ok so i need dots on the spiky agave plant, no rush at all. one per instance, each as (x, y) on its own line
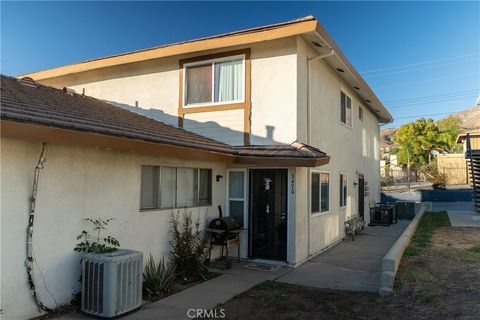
(158, 278)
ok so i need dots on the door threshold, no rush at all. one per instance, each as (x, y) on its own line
(270, 262)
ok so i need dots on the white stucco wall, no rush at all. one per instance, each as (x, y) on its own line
(352, 150)
(76, 183)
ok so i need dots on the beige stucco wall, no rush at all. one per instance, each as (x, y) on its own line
(454, 166)
(279, 111)
(154, 85)
(352, 151)
(76, 183)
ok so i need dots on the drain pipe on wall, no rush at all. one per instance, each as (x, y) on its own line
(309, 128)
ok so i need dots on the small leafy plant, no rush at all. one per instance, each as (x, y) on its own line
(96, 244)
(158, 278)
(188, 247)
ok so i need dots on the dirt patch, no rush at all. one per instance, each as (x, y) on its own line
(441, 282)
(448, 238)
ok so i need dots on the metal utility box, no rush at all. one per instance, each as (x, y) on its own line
(112, 282)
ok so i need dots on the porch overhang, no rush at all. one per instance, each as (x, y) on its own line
(41, 133)
(283, 162)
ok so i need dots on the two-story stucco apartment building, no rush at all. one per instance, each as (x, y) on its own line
(273, 124)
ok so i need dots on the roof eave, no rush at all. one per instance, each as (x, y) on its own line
(178, 49)
(283, 161)
(49, 134)
(384, 115)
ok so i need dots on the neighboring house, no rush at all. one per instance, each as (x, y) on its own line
(474, 139)
(270, 98)
(389, 167)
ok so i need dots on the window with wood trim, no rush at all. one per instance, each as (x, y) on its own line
(168, 188)
(215, 81)
(345, 109)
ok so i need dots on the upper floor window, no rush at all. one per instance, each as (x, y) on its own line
(346, 109)
(360, 113)
(216, 81)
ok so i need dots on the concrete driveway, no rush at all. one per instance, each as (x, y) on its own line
(351, 265)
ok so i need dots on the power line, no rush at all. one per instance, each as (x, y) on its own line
(424, 81)
(411, 104)
(424, 115)
(453, 93)
(414, 69)
(419, 63)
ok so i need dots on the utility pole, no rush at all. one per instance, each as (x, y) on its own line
(408, 168)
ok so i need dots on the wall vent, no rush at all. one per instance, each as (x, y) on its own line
(29, 82)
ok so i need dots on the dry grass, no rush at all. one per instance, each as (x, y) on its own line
(440, 280)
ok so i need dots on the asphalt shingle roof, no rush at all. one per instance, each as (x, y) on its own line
(29, 102)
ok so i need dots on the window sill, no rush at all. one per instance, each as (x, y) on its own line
(346, 125)
(319, 214)
(179, 208)
(196, 108)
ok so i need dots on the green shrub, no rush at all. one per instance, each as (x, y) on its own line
(188, 247)
(158, 278)
(95, 243)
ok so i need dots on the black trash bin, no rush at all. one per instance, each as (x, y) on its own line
(405, 210)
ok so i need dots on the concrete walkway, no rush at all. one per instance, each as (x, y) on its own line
(461, 214)
(203, 296)
(351, 265)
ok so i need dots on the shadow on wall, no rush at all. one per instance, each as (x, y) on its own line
(212, 126)
(464, 195)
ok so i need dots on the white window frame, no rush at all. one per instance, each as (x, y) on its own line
(341, 191)
(351, 109)
(212, 62)
(245, 195)
(319, 213)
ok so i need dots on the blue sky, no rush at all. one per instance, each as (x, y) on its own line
(420, 58)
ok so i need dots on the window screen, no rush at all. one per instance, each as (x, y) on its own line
(315, 189)
(199, 84)
(149, 182)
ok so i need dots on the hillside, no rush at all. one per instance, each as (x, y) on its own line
(469, 120)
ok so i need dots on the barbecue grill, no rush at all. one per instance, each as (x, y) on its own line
(224, 232)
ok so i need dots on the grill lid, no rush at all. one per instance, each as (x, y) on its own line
(225, 223)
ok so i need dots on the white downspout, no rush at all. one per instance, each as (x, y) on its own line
(309, 60)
